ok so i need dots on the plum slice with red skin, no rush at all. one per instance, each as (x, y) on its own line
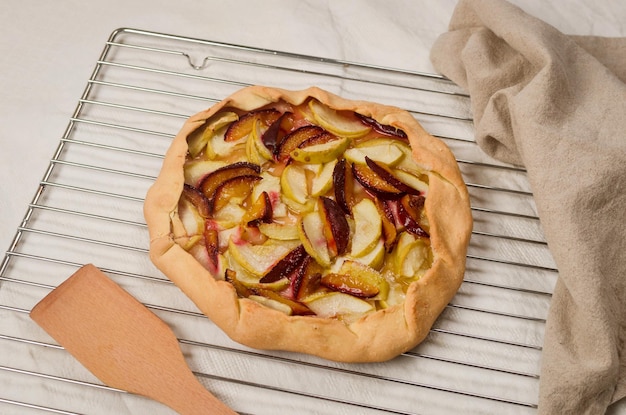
(306, 279)
(238, 186)
(323, 137)
(292, 140)
(344, 186)
(374, 183)
(241, 290)
(381, 128)
(336, 228)
(297, 308)
(349, 284)
(276, 131)
(212, 245)
(213, 180)
(198, 199)
(286, 266)
(390, 232)
(409, 213)
(385, 173)
(243, 126)
(259, 212)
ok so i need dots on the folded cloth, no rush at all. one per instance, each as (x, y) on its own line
(556, 104)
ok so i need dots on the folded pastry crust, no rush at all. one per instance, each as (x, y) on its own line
(376, 336)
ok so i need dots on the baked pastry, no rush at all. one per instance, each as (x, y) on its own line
(302, 221)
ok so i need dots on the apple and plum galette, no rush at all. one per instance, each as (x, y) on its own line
(306, 222)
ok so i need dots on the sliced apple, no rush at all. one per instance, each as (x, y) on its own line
(217, 148)
(368, 228)
(271, 303)
(245, 124)
(296, 208)
(412, 180)
(405, 242)
(323, 181)
(335, 223)
(375, 258)
(191, 220)
(233, 190)
(279, 231)
(320, 153)
(337, 304)
(200, 253)
(409, 255)
(341, 123)
(312, 169)
(335, 226)
(252, 234)
(224, 234)
(416, 259)
(271, 185)
(310, 228)
(293, 183)
(259, 259)
(369, 279)
(407, 163)
(189, 242)
(196, 170)
(396, 294)
(198, 140)
(288, 306)
(253, 154)
(252, 281)
(229, 216)
(386, 153)
(256, 136)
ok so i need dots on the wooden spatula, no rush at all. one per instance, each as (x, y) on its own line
(122, 342)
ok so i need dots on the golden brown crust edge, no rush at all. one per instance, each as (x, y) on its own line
(375, 337)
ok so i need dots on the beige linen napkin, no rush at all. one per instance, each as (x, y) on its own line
(556, 104)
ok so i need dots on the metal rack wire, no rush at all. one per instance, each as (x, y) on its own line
(481, 356)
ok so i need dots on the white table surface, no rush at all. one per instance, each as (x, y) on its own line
(48, 51)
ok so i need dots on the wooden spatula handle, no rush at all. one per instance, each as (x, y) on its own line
(122, 342)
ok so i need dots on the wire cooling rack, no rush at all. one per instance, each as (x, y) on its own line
(481, 356)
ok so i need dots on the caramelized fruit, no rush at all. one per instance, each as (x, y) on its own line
(325, 216)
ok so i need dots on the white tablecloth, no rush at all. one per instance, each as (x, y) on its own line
(48, 51)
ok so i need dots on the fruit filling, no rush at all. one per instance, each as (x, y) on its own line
(306, 209)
